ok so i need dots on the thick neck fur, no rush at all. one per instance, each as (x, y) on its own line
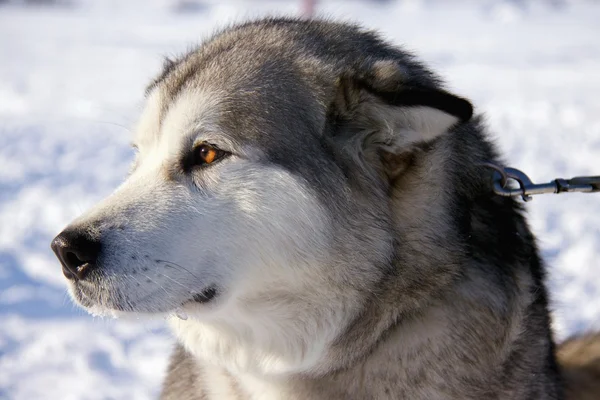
(462, 315)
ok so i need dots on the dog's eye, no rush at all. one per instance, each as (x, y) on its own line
(206, 154)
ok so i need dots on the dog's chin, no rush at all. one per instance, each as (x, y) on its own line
(145, 308)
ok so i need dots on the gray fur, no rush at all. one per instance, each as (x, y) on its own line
(458, 308)
(357, 251)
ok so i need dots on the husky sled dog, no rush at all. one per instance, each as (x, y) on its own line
(309, 209)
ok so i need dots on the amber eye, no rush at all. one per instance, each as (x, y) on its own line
(206, 154)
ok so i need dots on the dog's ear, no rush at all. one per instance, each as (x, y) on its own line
(393, 117)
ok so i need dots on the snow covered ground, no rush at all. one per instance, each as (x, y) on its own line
(71, 84)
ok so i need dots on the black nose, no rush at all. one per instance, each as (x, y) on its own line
(77, 252)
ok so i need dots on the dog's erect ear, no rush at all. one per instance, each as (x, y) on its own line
(395, 117)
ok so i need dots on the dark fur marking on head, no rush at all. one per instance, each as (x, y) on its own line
(410, 97)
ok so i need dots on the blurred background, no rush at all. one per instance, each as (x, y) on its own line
(72, 76)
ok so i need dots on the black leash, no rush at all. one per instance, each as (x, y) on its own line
(503, 176)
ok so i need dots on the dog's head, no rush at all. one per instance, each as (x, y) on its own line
(261, 189)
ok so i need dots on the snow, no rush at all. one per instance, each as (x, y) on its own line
(71, 86)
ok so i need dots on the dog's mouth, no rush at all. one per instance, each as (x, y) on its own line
(206, 296)
(102, 300)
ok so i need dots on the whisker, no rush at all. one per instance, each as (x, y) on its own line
(176, 282)
(159, 285)
(177, 265)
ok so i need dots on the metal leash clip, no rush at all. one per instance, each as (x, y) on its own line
(503, 176)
